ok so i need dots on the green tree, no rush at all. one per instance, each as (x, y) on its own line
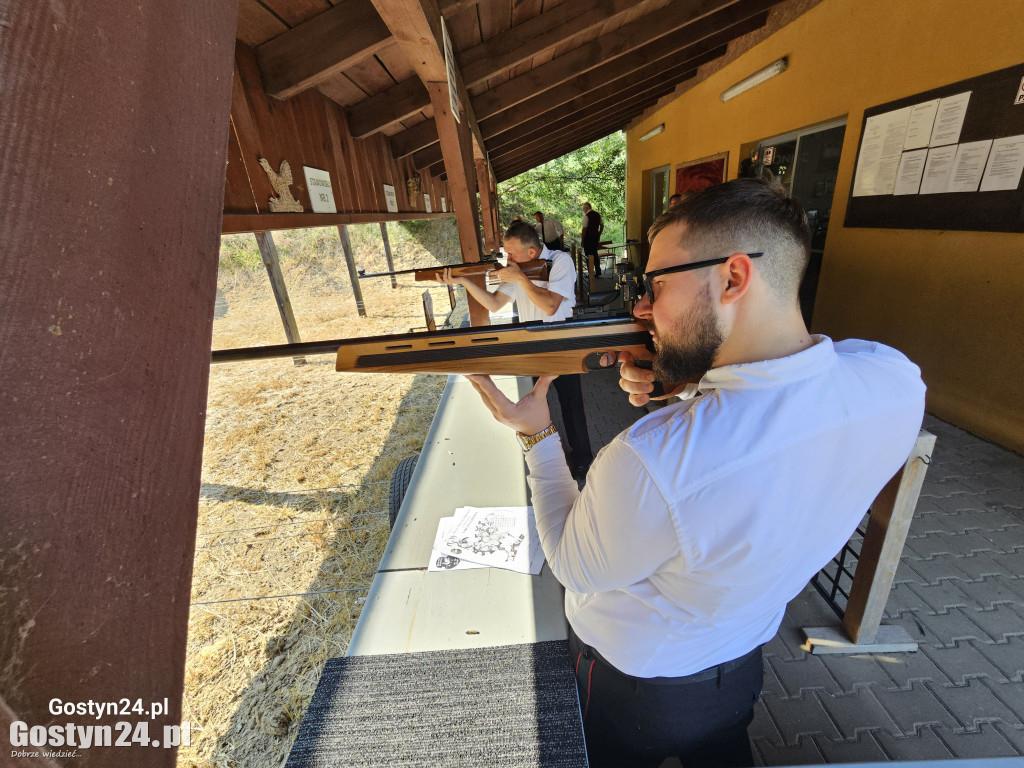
(595, 173)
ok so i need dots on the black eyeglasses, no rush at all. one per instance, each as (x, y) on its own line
(648, 277)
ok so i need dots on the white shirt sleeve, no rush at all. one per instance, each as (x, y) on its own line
(562, 277)
(616, 533)
(584, 224)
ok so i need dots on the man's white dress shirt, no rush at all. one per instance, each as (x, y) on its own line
(699, 523)
(561, 280)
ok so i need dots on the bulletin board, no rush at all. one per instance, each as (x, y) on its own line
(695, 175)
(948, 158)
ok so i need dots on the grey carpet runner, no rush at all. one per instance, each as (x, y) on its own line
(512, 706)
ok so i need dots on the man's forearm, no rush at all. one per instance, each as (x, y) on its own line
(547, 301)
(492, 302)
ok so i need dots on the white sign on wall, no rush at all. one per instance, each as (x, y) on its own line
(426, 203)
(444, 205)
(321, 195)
(390, 198)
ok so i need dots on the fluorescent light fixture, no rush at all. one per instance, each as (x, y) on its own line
(773, 69)
(653, 132)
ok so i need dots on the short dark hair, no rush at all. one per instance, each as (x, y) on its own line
(524, 233)
(537, 213)
(745, 216)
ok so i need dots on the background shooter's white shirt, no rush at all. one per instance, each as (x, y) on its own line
(699, 523)
(561, 280)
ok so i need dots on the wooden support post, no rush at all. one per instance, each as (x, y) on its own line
(265, 240)
(888, 524)
(353, 275)
(105, 326)
(428, 311)
(457, 147)
(487, 212)
(387, 252)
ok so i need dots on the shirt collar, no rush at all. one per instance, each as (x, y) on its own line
(769, 373)
(544, 253)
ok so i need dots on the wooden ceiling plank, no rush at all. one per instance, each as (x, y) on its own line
(491, 58)
(585, 109)
(256, 24)
(620, 74)
(321, 47)
(625, 41)
(294, 12)
(341, 90)
(392, 105)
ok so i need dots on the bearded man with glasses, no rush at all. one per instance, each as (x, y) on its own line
(703, 520)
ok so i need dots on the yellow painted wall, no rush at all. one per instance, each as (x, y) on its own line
(952, 301)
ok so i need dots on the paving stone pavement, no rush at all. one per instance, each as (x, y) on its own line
(959, 592)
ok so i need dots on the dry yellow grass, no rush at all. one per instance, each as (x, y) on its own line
(295, 495)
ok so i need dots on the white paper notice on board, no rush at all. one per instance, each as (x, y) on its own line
(444, 205)
(321, 196)
(426, 203)
(880, 151)
(908, 180)
(919, 129)
(390, 198)
(949, 119)
(937, 170)
(1005, 164)
(968, 166)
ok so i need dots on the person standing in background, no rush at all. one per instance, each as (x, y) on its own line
(550, 231)
(592, 229)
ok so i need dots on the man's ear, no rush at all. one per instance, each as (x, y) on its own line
(737, 274)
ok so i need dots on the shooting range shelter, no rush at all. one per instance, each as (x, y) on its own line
(132, 139)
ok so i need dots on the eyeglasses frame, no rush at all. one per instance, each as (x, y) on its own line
(649, 276)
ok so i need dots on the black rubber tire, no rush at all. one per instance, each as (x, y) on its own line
(399, 485)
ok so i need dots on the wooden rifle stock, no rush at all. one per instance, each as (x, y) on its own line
(532, 349)
(536, 269)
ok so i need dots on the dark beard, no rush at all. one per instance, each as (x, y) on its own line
(675, 361)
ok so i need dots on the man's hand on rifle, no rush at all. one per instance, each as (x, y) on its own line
(511, 274)
(447, 278)
(529, 416)
(637, 381)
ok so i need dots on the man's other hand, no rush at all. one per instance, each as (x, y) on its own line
(510, 274)
(637, 381)
(529, 416)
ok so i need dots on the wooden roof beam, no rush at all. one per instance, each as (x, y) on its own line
(321, 47)
(621, 74)
(491, 57)
(694, 39)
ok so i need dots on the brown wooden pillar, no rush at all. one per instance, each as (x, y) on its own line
(113, 154)
(268, 252)
(457, 146)
(353, 274)
(387, 252)
(487, 209)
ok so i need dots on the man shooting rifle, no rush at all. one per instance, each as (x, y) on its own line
(700, 522)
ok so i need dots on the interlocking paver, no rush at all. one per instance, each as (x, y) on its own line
(1008, 656)
(857, 670)
(962, 544)
(924, 745)
(961, 662)
(947, 628)
(857, 711)
(903, 598)
(977, 566)
(915, 707)
(1014, 736)
(906, 669)
(940, 597)
(935, 569)
(864, 749)
(771, 681)
(1012, 561)
(1008, 538)
(763, 728)
(798, 716)
(805, 752)
(1000, 621)
(975, 703)
(987, 741)
(804, 674)
(1010, 693)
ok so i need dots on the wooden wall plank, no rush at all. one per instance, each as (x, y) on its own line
(256, 24)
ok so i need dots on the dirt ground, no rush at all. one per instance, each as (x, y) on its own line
(294, 500)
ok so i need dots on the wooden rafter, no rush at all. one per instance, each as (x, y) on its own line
(552, 88)
(523, 42)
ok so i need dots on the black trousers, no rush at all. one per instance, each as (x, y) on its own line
(590, 249)
(569, 389)
(633, 721)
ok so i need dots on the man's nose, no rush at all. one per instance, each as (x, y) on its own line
(643, 308)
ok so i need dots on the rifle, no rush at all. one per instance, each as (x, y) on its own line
(536, 269)
(528, 349)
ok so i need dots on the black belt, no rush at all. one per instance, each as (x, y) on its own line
(710, 673)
